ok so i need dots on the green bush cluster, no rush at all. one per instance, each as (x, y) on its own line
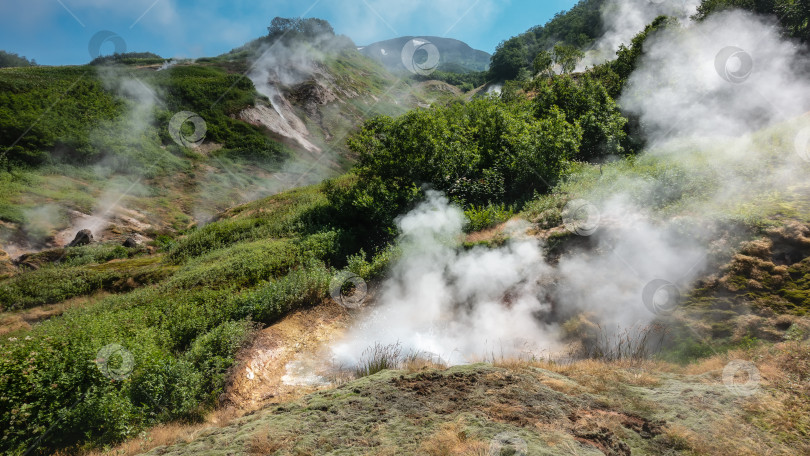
(128, 58)
(71, 99)
(11, 59)
(295, 212)
(484, 151)
(79, 271)
(482, 217)
(182, 346)
(50, 285)
(183, 343)
(586, 103)
(183, 331)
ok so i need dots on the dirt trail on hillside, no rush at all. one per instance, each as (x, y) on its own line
(285, 361)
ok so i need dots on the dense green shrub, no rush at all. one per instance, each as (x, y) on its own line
(482, 217)
(299, 211)
(44, 109)
(54, 283)
(128, 58)
(274, 298)
(248, 263)
(11, 59)
(51, 284)
(586, 103)
(480, 152)
(182, 345)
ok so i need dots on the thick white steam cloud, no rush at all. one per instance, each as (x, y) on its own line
(624, 19)
(450, 303)
(727, 76)
(466, 305)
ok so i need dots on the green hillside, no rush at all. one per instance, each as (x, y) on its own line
(242, 239)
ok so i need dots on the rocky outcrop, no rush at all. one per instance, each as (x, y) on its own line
(83, 237)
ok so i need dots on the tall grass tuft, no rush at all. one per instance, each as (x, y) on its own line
(378, 358)
(629, 344)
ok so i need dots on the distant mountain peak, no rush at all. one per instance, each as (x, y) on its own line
(445, 54)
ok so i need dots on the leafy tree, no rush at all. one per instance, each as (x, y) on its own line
(708, 7)
(579, 27)
(795, 16)
(585, 102)
(10, 59)
(613, 75)
(542, 63)
(567, 57)
(509, 58)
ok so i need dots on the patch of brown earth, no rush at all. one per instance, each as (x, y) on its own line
(285, 361)
(25, 319)
(593, 427)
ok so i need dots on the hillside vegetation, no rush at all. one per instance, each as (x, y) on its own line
(105, 346)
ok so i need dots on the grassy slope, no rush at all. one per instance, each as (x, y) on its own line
(587, 407)
(82, 148)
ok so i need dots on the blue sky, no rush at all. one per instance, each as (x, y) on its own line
(57, 32)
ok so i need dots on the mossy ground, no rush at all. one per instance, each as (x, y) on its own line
(581, 408)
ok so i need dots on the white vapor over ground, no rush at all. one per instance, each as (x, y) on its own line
(682, 87)
(624, 19)
(465, 305)
(449, 303)
(475, 304)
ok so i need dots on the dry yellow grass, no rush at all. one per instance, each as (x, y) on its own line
(419, 364)
(22, 320)
(596, 375)
(171, 433)
(165, 434)
(452, 440)
(262, 445)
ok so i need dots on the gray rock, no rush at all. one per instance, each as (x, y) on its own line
(83, 237)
